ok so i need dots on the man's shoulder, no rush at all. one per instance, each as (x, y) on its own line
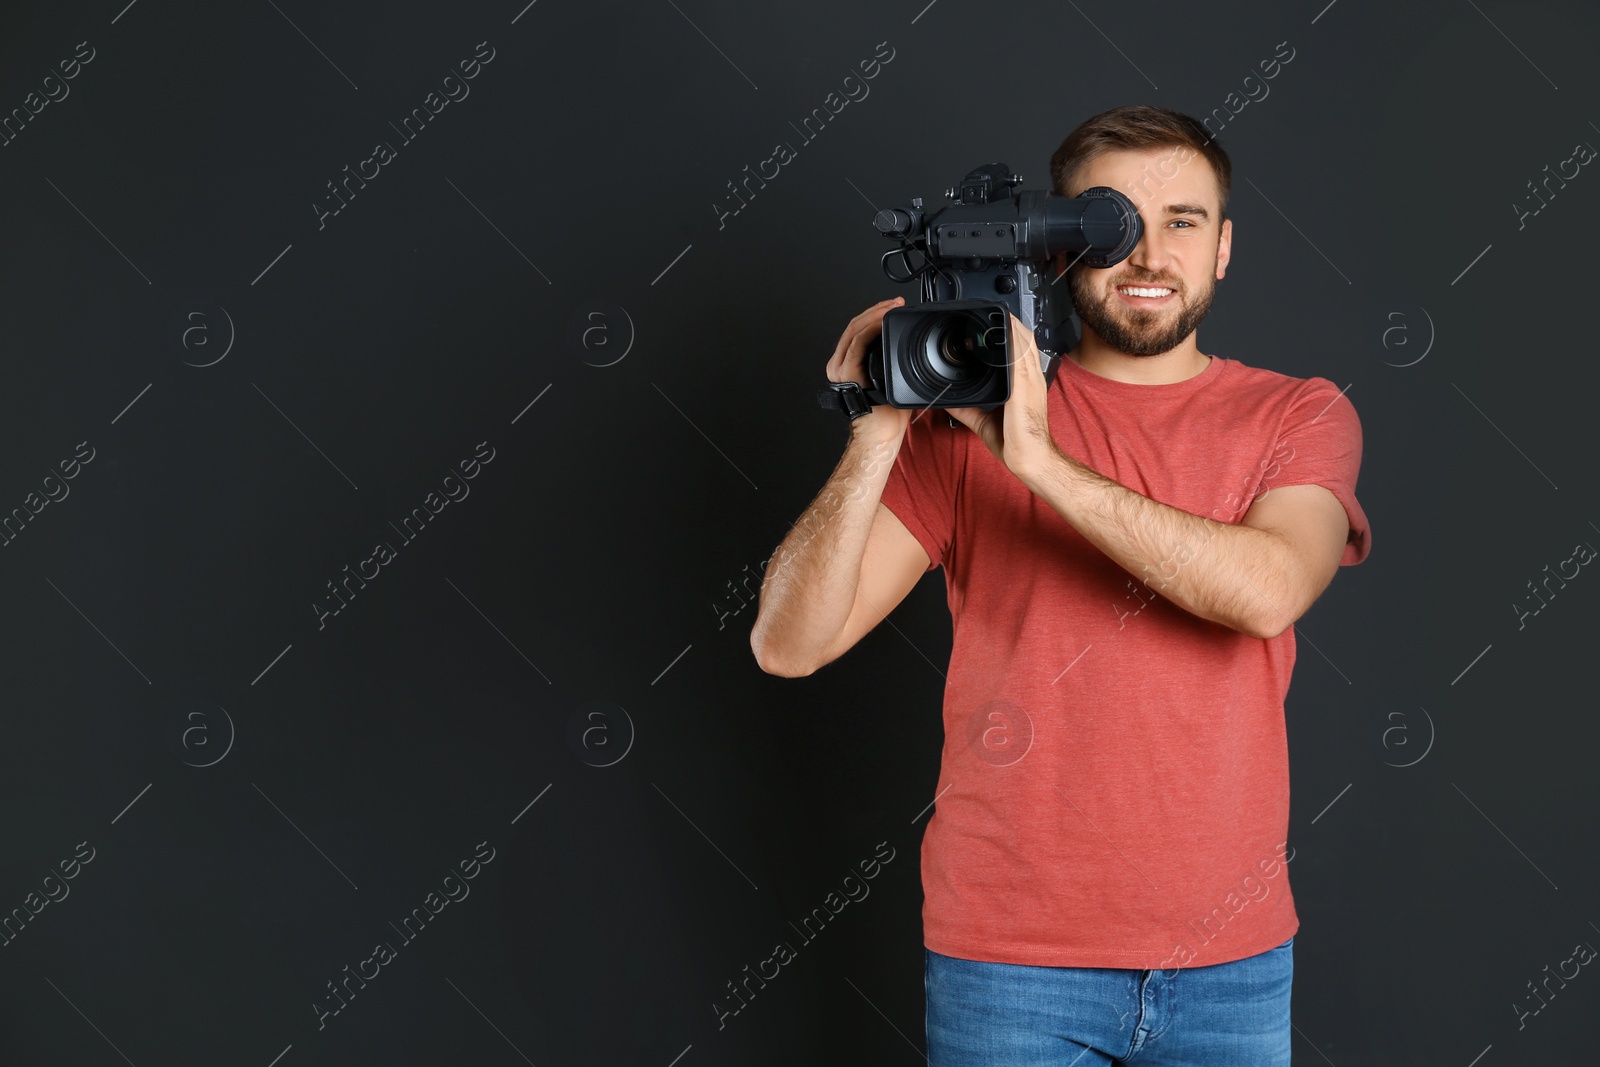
(1252, 384)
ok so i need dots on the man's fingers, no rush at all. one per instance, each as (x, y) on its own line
(964, 415)
(852, 328)
(1025, 351)
(1024, 337)
(874, 309)
(847, 350)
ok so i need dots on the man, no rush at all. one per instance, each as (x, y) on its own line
(1126, 551)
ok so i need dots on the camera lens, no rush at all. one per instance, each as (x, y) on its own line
(959, 346)
(958, 355)
(965, 345)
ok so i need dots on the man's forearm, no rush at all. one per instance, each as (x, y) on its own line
(810, 583)
(1235, 575)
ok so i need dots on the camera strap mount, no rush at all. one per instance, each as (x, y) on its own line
(847, 397)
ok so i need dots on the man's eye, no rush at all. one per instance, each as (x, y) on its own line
(1182, 222)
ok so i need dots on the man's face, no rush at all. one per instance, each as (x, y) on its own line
(1153, 300)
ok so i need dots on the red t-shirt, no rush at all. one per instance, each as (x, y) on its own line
(1114, 784)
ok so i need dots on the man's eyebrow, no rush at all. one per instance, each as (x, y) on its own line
(1188, 209)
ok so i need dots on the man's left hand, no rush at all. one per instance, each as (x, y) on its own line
(1018, 433)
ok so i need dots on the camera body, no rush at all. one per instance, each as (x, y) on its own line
(986, 256)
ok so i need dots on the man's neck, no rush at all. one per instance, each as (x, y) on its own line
(1177, 365)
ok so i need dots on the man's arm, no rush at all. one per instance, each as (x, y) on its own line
(848, 561)
(1256, 577)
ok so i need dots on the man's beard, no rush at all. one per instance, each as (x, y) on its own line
(1138, 331)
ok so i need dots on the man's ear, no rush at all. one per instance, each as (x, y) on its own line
(1224, 248)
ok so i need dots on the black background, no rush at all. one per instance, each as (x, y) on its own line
(264, 796)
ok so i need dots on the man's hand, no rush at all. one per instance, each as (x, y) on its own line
(1018, 433)
(849, 364)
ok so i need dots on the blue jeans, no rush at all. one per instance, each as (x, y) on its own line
(1007, 1015)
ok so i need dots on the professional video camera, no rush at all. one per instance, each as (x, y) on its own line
(985, 256)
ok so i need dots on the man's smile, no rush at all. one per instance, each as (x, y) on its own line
(1145, 295)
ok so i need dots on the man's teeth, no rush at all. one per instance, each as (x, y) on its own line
(1134, 290)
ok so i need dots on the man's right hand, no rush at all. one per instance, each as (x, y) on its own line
(849, 364)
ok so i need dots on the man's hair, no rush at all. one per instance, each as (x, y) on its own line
(1138, 127)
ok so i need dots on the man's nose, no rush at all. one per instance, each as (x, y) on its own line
(1151, 253)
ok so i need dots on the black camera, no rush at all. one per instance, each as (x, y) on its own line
(983, 257)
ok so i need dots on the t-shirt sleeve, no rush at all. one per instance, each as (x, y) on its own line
(1320, 444)
(922, 485)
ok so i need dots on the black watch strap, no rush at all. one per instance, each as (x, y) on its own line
(847, 397)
